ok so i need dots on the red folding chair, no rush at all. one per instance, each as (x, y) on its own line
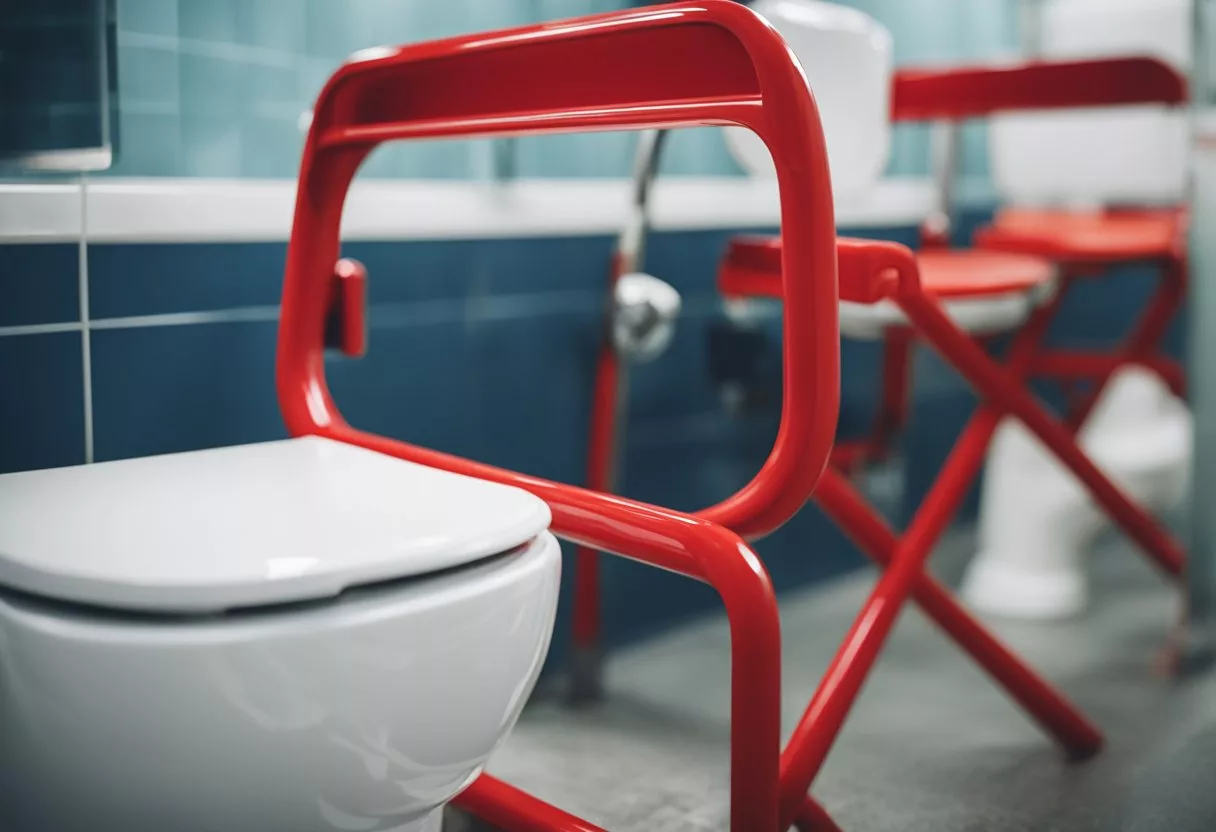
(1083, 245)
(1079, 245)
(923, 287)
(704, 63)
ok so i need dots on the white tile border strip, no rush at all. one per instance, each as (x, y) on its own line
(218, 210)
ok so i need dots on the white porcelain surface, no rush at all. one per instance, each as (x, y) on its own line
(248, 525)
(986, 315)
(1115, 155)
(1036, 519)
(360, 713)
(847, 57)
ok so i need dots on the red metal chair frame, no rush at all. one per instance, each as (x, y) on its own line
(955, 94)
(870, 272)
(706, 63)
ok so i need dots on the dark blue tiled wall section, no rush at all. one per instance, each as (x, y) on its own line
(39, 284)
(161, 389)
(41, 385)
(162, 278)
(481, 348)
(41, 403)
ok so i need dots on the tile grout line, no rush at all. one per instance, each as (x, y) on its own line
(517, 306)
(86, 347)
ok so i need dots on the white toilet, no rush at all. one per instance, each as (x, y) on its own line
(1036, 521)
(848, 59)
(299, 635)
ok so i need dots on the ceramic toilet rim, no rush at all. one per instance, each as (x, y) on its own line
(481, 575)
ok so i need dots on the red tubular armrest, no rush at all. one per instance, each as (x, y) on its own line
(703, 63)
(972, 92)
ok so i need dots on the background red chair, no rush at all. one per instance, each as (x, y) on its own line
(923, 288)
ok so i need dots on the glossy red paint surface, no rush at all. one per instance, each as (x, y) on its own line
(694, 63)
(506, 807)
(712, 62)
(752, 268)
(952, 93)
(349, 302)
(870, 272)
(1097, 238)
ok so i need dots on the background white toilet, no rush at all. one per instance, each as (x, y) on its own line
(299, 635)
(848, 59)
(1035, 520)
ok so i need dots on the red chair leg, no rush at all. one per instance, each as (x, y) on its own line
(814, 818)
(1046, 705)
(1145, 339)
(506, 807)
(1005, 391)
(1071, 366)
(904, 559)
(601, 463)
(825, 715)
(897, 348)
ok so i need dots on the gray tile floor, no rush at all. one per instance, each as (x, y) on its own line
(931, 744)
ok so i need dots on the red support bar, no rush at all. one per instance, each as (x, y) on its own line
(708, 62)
(601, 461)
(898, 346)
(349, 308)
(693, 63)
(679, 543)
(820, 724)
(974, 92)
(507, 807)
(812, 818)
(1005, 392)
(1074, 365)
(1045, 705)
(1142, 345)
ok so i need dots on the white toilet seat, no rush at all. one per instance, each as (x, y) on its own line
(251, 525)
(297, 635)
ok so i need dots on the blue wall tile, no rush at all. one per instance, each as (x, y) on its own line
(482, 348)
(511, 391)
(157, 17)
(38, 284)
(177, 388)
(223, 55)
(471, 269)
(154, 279)
(42, 408)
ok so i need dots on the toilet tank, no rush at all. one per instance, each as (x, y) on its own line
(1109, 155)
(847, 58)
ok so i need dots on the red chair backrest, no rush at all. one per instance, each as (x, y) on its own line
(711, 62)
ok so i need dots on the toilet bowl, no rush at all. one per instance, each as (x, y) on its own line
(1036, 519)
(295, 635)
(848, 58)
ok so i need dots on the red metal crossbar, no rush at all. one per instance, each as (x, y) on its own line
(695, 63)
(1083, 245)
(953, 93)
(869, 272)
(689, 64)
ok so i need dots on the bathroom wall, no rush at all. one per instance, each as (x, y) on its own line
(479, 347)
(118, 341)
(216, 87)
